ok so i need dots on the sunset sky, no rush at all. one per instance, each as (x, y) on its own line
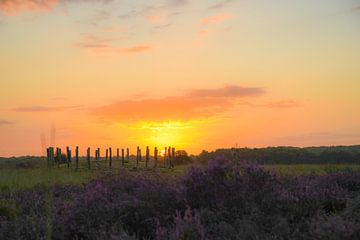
(193, 74)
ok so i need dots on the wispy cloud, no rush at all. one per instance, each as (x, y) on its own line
(219, 5)
(195, 104)
(133, 49)
(39, 108)
(14, 7)
(216, 19)
(227, 91)
(154, 18)
(6, 122)
(106, 50)
(104, 46)
(356, 9)
(276, 104)
(179, 2)
(162, 26)
(91, 41)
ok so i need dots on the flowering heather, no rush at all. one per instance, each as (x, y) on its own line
(224, 200)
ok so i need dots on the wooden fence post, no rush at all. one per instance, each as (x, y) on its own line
(128, 154)
(77, 157)
(59, 157)
(117, 154)
(140, 154)
(169, 157)
(155, 156)
(122, 157)
(97, 158)
(173, 157)
(165, 156)
(52, 156)
(137, 156)
(88, 158)
(106, 155)
(68, 156)
(147, 158)
(48, 157)
(110, 157)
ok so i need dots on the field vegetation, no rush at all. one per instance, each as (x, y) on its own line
(213, 196)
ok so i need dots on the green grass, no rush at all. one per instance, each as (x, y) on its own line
(14, 174)
(27, 178)
(304, 169)
(20, 173)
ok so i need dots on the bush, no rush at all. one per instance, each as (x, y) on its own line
(224, 200)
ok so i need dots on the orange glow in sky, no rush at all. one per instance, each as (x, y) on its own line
(190, 74)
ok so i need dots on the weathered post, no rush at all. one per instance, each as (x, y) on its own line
(127, 154)
(77, 158)
(155, 156)
(117, 154)
(52, 156)
(147, 158)
(97, 157)
(68, 156)
(110, 158)
(99, 154)
(48, 157)
(137, 156)
(169, 157)
(173, 157)
(106, 155)
(122, 157)
(59, 158)
(165, 156)
(88, 157)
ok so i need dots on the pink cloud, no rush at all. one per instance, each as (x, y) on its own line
(134, 49)
(14, 7)
(153, 18)
(216, 19)
(103, 46)
(196, 104)
(106, 50)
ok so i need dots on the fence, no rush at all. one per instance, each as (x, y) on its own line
(149, 161)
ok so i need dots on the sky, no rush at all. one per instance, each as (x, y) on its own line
(193, 74)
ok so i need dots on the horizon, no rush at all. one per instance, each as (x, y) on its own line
(83, 151)
(196, 75)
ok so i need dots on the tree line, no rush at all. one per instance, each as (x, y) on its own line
(288, 155)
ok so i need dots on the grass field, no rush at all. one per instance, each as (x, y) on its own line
(305, 169)
(13, 174)
(29, 172)
(27, 178)
(133, 202)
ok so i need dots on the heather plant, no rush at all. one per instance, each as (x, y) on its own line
(134, 202)
(186, 226)
(223, 200)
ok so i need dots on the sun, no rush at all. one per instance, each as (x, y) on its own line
(171, 133)
(162, 153)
